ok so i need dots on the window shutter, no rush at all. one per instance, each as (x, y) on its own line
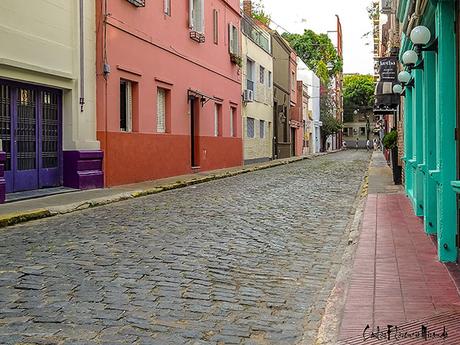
(201, 16)
(216, 120)
(129, 106)
(230, 38)
(167, 7)
(216, 26)
(190, 14)
(161, 110)
(231, 121)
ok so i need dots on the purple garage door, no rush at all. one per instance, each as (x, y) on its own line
(30, 130)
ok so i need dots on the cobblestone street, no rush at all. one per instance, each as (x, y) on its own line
(249, 259)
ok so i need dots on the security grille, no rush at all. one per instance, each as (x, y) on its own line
(26, 133)
(5, 123)
(50, 130)
(250, 127)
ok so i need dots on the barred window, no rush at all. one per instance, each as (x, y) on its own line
(250, 127)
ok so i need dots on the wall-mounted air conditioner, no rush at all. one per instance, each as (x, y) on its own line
(248, 96)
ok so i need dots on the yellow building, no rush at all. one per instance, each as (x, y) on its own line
(48, 93)
(257, 66)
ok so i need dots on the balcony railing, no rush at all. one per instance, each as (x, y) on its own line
(257, 35)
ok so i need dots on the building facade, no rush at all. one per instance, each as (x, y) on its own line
(169, 87)
(302, 114)
(431, 120)
(257, 91)
(295, 121)
(48, 95)
(313, 84)
(282, 97)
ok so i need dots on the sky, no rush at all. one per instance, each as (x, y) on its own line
(319, 16)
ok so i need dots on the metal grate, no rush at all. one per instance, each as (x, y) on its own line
(5, 123)
(26, 130)
(50, 130)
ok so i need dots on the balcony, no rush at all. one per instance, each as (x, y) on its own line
(137, 3)
(197, 36)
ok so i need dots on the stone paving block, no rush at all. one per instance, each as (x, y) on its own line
(229, 261)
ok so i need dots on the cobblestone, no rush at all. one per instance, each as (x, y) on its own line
(249, 259)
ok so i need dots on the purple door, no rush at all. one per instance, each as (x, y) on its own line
(30, 132)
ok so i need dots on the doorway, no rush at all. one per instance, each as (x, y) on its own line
(194, 132)
(293, 141)
(30, 132)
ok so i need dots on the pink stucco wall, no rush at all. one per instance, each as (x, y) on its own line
(154, 50)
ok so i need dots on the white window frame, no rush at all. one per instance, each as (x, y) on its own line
(233, 39)
(161, 110)
(232, 125)
(215, 19)
(196, 15)
(167, 7)
(216, 119)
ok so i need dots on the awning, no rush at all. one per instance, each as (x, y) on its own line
(385, 99)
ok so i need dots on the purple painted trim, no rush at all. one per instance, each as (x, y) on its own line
(83, 169)
(2, 177)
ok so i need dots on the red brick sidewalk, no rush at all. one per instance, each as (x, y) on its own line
(396, 275)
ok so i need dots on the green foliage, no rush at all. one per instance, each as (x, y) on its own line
(373, 10)
(327, 116)
(258, 12)
(390, 140)
(236, 59)
(358, 94)
(358, 90)
(318, 52)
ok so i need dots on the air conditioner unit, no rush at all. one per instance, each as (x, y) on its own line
(248, 96)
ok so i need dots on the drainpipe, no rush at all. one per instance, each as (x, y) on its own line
(82, 59)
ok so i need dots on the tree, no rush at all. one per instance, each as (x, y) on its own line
(358, 94)
(327, 116)
(258, 13)
(318, 52)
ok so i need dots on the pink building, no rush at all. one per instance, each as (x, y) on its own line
(169, 87)
(298, 115)
(295, 122)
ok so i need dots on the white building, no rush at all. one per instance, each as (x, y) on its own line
(313, 84)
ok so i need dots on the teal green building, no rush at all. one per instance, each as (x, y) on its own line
(430, 119)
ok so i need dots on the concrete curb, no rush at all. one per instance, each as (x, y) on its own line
(24, 216)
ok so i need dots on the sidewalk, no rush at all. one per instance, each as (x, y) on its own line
(21, 211)
(396, 277)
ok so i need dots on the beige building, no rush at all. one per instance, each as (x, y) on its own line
(257, 67)
(48, 92)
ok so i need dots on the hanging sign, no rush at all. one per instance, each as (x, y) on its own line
(388, 68)
(385, 6)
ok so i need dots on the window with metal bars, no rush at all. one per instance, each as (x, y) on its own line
(50, 129)
(250, 127)
(5, 123)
